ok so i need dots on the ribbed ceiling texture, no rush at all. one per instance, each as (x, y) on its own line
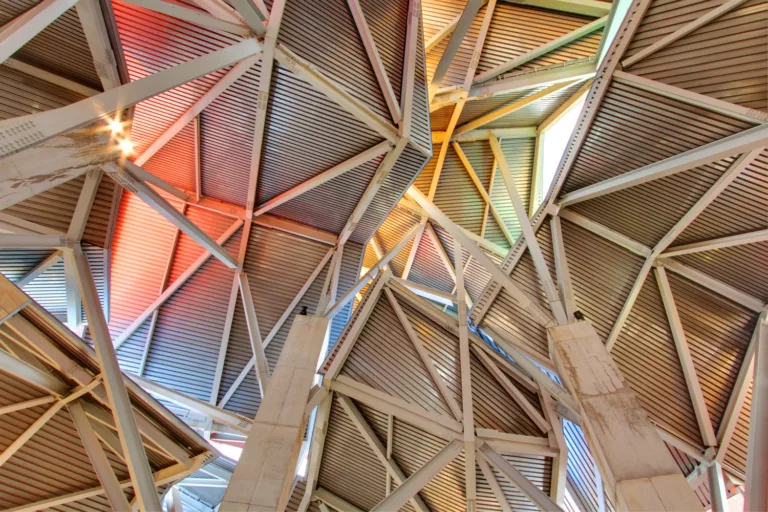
(179, 179)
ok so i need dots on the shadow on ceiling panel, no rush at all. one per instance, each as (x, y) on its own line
(140, 249)
(718, 333)
(602, 274)
(278, 264)
(441, 118)
(647, 358)
(325, 34)
(349, 467)
(663, 17)
(153, 42)
(388, 22)
(400, 178)
(185, 345)
(647, 212)
(329, 206)
(724, 59)
(306, 133)
(537, 112)
(457, 195)
(740, 208)
(60, 48)
(741, 266)
(517, 29)
(227, 127)
(436, 14)
(175, 162)
(629, 119)
(399, 371)
(187, 250)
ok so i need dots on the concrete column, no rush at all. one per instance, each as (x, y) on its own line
(263, 476)
(635, 464)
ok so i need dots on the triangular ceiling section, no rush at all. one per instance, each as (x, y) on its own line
(643, 128)
(310, 135)
(457, 195)
(717, 345)
(516, 30)
(226, 140)
(246, 398)
(53, 208)
(384, 344)
(388, 25)
(175, 161)
(330, 205)
(731, 49)
(646, 355)
(537, 112)
(273, 283)
(349, 466)
(333, 45)
(675, 195)
(740, 208)
(428, 267)
(60, 48)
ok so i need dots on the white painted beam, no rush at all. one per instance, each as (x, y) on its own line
(127, 180)
(529, 304)
(32, 375)
(457, 36)
(262, 366)
(11, 241)
(490, 477)
(334, 501)
(49, 77)
(27, 404)
(717, 243)
(757, 455)
(130, 438)
(718, 496)
(316, 445)
(22, 132)
(583, 7)
(95, 29)
(193, 16)
(84, 204)
(547, 76)
(101, 464)
(420, 478)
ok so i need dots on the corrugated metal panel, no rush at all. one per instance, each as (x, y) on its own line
(741, 266)
(247, 399)
(226, 131)
(392, 231)
(602, 275)
(384, 345)
(507, 318)
(60, 48)
(739, 208)
(140, 249)
(537, 112)
(369, 258)
(298, 493)
(98, 220)
(457, 71)
(634, 128)
(52, 208)
(21, 94)
(517, 29)
(153, 42)
(53, 462)
(326, 35)
(581, 468)
(50, 290)
(441, 118)
(688, 465)
(401, 176)
(312, 207)
(185, 344)
(457, 196)
(424, 179)
(349, 468)
(187, 250)
(436, 14)
(519, 156)
(646, 355)
(718, 333)
(630, 212)
(476, 277)
(476, 108)
(428, 267)
(388, 23)
(14, 264)
(724, 59)
(306, 133)
(736, 456)
(581, 49)
(348, 276)
(175, 162)
(536, 469)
